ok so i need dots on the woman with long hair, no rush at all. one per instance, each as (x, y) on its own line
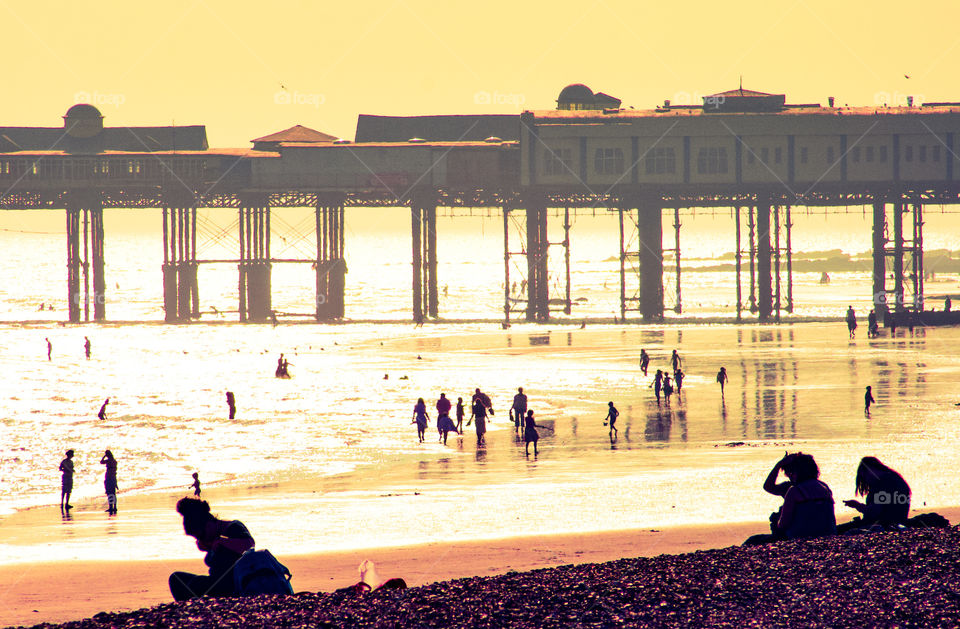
(110, 481)
(887, 495)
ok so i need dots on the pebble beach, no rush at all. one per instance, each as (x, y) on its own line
(878, 580)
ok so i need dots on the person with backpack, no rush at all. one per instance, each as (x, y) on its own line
(223, 541)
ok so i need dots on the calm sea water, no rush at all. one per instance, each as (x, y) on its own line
(338, 419)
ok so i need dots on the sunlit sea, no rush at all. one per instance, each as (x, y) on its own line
(338, 432)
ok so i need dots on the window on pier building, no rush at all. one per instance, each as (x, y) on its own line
(935, 152)
(765, 155)
(712, 161)
(608, 161)
(101, 167)
(855, 154)
(883, 153)
(869, 151)
(133, 167)
(778, 155)
(4, 168)
(751, 156)
(830, 156)
(661, 161)
(908, 153)
(803, 155)
(922, 152)
(557, 161)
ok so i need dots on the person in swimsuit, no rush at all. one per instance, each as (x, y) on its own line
(722, 378)
(519, 409)
(644, 361)
(66, 481)
(530, 433)
(480, 419)
(444, 424)
(460, 414)
(868, 400)
(611, 419)
(851, 321)
(657, 384)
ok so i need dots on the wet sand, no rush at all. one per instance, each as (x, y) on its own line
(697, 461)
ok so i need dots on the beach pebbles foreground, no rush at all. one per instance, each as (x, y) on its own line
(907, 579)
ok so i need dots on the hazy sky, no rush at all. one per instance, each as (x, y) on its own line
(246, 69)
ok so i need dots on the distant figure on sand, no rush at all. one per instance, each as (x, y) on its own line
(851, 321)
(667, 388)
(947, 304)
(530, 433)
(196, 484)
(444, 424)
(807, 509)
(675, 361)
(868, 400)
(103, 409)
(484, 399)
(420, 418)
(110, 481)
(644, 361)
(231, 404)
(86, 347)
(722, 378)
(283, 368)
(49, 349)
(479, 415)
(887, 496)
(678, 377)
(460, 413)
(873, 330)
(519, 409)
(224, 542)
(66, 481)
(657, 384)
(611, 419)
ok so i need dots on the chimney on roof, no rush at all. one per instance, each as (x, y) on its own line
(909, 101)
(830, 102)
(666, 104)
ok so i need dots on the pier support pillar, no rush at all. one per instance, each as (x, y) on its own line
(331, 266)
(879, 261)
(181, 299)
(255, 268)
(650, 231)
(85, 252)
(538, 283)
(423, 230)
(764, 272)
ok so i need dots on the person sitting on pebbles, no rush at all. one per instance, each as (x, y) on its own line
(807, 509)
(887, 496)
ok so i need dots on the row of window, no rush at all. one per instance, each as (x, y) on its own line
(101, 168)
(712, 161)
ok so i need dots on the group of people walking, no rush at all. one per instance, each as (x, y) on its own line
(481, 408)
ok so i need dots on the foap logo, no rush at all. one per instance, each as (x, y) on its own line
(286, 97)
(696, 98)
(484, 97)
(99, 99)
(891, 498)
(713, 102)
(897, 99)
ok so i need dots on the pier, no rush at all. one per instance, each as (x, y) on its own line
(750, 153)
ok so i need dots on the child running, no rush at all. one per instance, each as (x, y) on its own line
(610, 419)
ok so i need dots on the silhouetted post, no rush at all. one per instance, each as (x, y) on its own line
(764, 279)
(543, 257)
(506, 264)
(678, 307)
(96, 245)
(737, 256)
(85, 264)
(430, 240)
(255, 265)
(415, 221)
(776, 260)
(789, 225)
(537, 288)
(73, 261)
(898, 210)
(879, 261)
(650, 234)
(568, 304)
(918, 257)
(752, 234)
(169, 272)
(242, 267)
(623, 269)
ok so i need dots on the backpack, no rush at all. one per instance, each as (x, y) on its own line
(259, 572)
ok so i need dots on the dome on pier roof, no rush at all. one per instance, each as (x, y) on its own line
(83, 121)
(575, 93)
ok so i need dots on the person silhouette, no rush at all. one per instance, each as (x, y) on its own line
(86, 347)
(722, 378)
(66, 481)
(611, 419)
(851, 322)
(675, 361)
(232, 404)
(196, 484)
(110, 481)
(224, 541)
(519, 409)
(530, 434)
(657, 384)
(479, 416)
(807, 509)
(444, 424)
(868, 400)
(644, 361)
(460, 414)
(420, 418)
(886, 496)
(49, 349)
(103, 409)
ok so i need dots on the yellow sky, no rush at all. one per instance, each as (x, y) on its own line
(245, 69)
